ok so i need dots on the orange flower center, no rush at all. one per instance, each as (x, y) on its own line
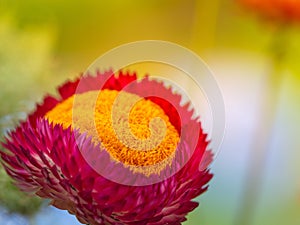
(134, 131)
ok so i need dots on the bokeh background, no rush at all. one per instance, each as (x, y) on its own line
(255, 60)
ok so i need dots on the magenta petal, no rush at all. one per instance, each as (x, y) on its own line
(48, 160)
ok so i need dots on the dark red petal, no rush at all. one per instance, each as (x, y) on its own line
(49, 103)
(68, 89)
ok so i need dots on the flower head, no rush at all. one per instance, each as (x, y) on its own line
(283, 10)
(110, 151)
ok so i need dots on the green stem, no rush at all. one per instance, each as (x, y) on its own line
(31, 220)
(260, 144)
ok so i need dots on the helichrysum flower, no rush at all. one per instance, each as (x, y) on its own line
(283, 10)
(57, 154)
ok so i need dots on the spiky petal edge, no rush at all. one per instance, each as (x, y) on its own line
(46, 159)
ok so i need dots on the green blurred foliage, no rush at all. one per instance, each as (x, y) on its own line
(86, 30)
(14, 200)
(24, 65)
(44, 42)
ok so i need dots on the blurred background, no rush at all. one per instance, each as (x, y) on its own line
(253, 51)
